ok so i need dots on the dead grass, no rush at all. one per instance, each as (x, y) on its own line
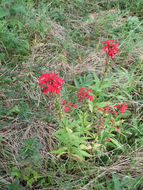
(17, 132)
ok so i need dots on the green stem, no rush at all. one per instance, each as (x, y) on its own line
(70, 145)
(104, 75)
(103, 78)
(61, 118)
(58, 107)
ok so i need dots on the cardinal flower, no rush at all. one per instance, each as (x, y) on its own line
(50, 82)
(82, 94)
(104, 109)
(67, 105)
(121, 108)
(110, 47)
(67, 108)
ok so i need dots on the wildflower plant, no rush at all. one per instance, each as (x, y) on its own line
(110, 47)
(69, 138)
(110, 118)
(50, 82)
(91, 127)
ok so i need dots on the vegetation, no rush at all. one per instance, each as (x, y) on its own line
(84, 130)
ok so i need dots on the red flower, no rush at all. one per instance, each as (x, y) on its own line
(82, 94)
(114, 112)
(112, 121)
(117, 106)
(107, 108)
(50, 82)
(121, 108)
(67, 108)
(63, 102)
(110, 47)
(104, 109)
(108, 139)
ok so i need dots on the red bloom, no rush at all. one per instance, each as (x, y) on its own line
(108, 139)
(107, 108)
(50, 82)
(112, 121)
(117, 106)
(104, 109)
(110, 47)
(67, 108)
(82, 94)
(121, 108)
(63, 102)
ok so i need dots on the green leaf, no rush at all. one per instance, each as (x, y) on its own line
(85, 153)
(76, 83)
(126, 114)
(102, 104)
(85, 147)
(75, 140)
(3, 12)
(35, 174)
(60, 131)
(117, 184)
(30, 182)
(96, 79)
(14, 110)
(16, 174)
(4, 2)
(90, 103)
(106, 85)
(60, 150)
(14, 186)
(117, 143)
(73, 88)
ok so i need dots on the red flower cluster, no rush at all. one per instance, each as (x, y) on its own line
(104, 109)
(110, 46)
(82, 94)
(120, 108)
(50, 82)
(67, 108)
(107, 109)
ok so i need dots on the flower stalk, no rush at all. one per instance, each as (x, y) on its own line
(110, 46)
